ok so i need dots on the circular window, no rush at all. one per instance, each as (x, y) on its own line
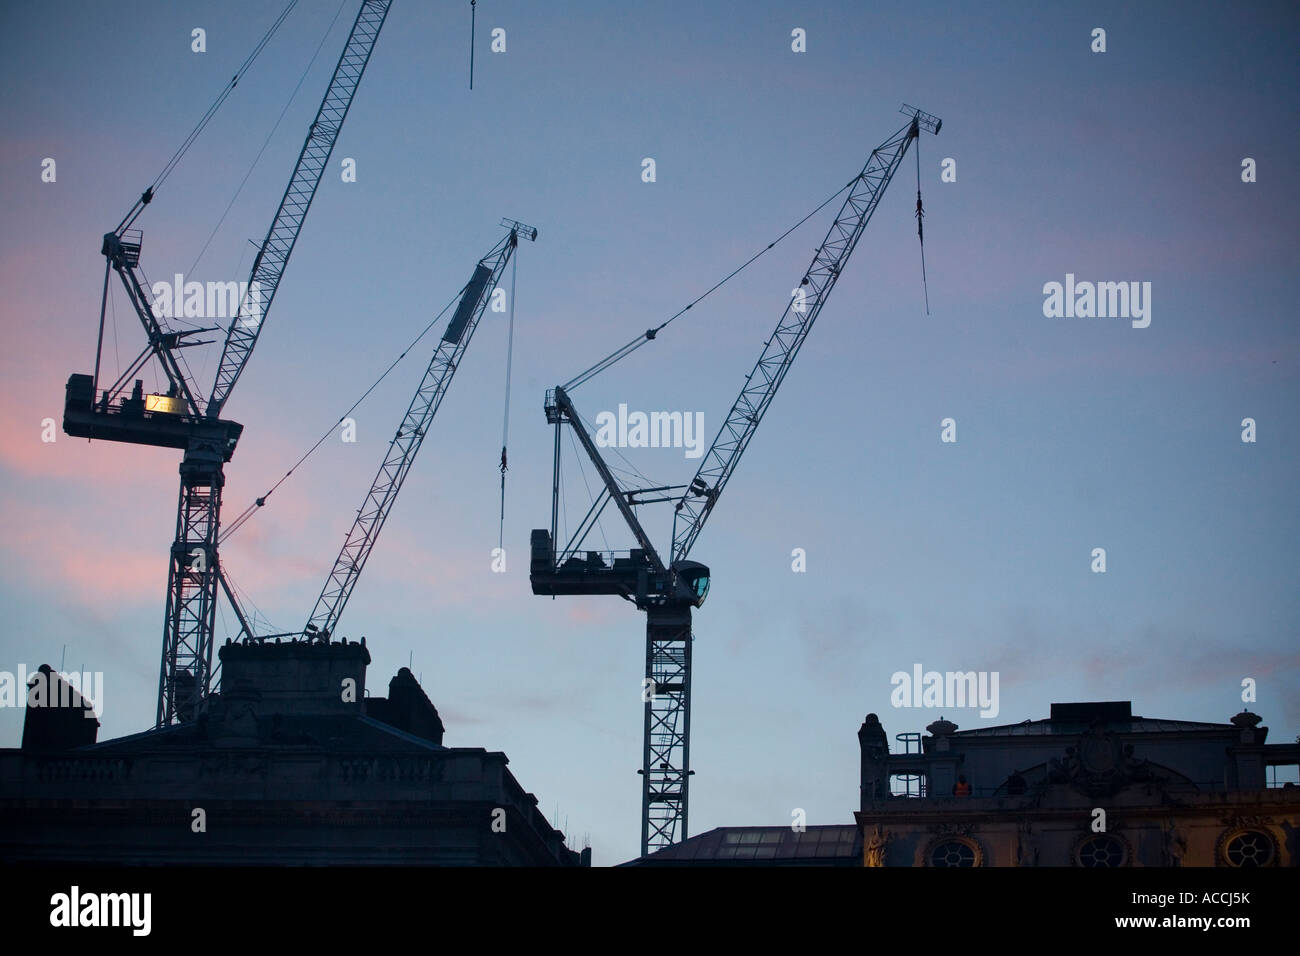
(1249, 848)
(1101, 850)
(953, 853)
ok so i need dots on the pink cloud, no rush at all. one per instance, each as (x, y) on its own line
(56, 552)
(588, 613)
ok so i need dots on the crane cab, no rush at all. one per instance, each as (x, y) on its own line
(695, 577)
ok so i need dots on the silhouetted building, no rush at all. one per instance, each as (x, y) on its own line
(838, 845)
(290, 764)
(57, 714)
(1092, 785)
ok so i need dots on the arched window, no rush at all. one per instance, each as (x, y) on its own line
(1101, 850)
(1248, 848)
(954, 851)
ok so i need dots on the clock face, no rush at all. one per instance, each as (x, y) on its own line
(1097, 755)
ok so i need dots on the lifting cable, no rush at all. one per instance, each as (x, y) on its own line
(505, 418)
(206, 118)
(592, 429)
(920, 232)
(649, 334)
(582, 473)
(246, 602)
(172, 322)
(112, 304)
(252, 509)
(267, 142)
(472, 15)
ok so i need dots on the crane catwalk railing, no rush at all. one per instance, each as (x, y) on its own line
(406, 443)
(781, 348)
(269, 265)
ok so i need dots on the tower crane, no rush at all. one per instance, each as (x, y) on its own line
(405, 444)
(176, 419)
(668, 590)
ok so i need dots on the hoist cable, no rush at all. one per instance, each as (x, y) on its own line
(582, 473)
(920, 232)
(649, 334)
(252, 509)
(205, 119)
(505, 418)
(267, 142)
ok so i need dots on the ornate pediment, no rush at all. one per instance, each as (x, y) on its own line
(1100, 764)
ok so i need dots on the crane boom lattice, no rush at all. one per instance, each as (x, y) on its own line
(272, 258)
(405, 444)
(783, 345)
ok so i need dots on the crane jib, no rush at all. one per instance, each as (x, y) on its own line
(276, 250)
(378, 503)
(761, 384)
(468, 303)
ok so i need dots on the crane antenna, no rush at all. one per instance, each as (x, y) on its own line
(472, 17)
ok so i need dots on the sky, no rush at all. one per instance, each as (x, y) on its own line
(977, 554)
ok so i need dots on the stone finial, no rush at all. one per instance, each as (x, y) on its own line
(1246, 720)
(941, 728)
(871, 732)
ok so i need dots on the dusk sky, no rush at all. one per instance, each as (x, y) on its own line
(1072, 433)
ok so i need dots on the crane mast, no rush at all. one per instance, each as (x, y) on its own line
(668, 591)
(405, 444)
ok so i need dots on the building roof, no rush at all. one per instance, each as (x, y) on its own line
(1132, 725)
(1077, 717)
(327, 732)
(291, 745)
(837, 845)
